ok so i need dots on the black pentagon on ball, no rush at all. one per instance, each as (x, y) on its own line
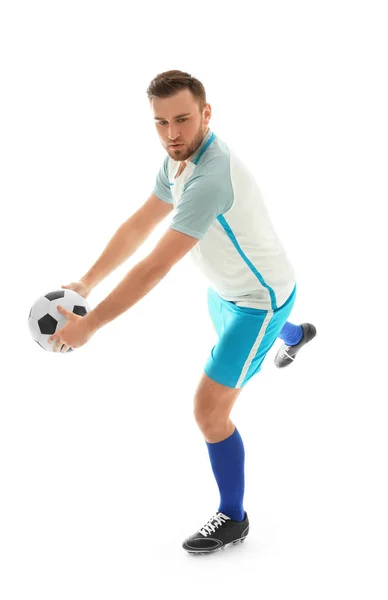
(55, 295)
(47, 324)
(79, 310)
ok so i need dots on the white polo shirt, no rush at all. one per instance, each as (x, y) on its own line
(218, 201)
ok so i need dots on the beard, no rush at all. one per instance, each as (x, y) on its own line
(184, 153)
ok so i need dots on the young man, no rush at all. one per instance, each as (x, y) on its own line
(219, 216)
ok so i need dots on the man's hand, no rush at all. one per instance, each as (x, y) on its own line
(74, 334)
(80, 287)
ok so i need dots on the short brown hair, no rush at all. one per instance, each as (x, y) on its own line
(170, 82)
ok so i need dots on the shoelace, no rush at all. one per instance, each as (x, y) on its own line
(213, 523)
(284, 353)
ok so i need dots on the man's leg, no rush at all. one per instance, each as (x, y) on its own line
(213, 403)
(229, 525)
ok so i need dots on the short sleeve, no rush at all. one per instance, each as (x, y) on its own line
(203, 199)
(162, 186)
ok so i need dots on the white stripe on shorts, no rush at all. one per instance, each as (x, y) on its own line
(255, 347)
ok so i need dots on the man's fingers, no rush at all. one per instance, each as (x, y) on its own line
(59, 345)
(55, 340)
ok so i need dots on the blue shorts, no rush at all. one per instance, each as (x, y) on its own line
(245, 336)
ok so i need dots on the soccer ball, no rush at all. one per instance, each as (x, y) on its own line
(44, 318)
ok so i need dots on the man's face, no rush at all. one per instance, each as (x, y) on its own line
(188, 130)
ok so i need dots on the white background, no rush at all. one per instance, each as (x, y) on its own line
(103, 470)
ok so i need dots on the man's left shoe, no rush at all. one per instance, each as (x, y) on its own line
(286, 354)
(218, 532)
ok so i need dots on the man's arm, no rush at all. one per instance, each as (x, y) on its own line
(127, 239)
(172, 247)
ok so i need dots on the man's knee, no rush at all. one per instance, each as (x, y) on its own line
(213, 403)
(212, 426)
(210, 420)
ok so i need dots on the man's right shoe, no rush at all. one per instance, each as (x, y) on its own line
(286, 354)
(217, 533)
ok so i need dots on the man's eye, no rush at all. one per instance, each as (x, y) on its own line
(163, 122)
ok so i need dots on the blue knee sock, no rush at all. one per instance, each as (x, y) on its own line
(227, 460)
(291, 334)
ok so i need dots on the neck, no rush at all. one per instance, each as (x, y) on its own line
(188, 159)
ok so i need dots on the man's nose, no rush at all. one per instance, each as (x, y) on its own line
(173, 133)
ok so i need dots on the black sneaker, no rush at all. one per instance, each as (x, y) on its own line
(218, 532)
(286, 354)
